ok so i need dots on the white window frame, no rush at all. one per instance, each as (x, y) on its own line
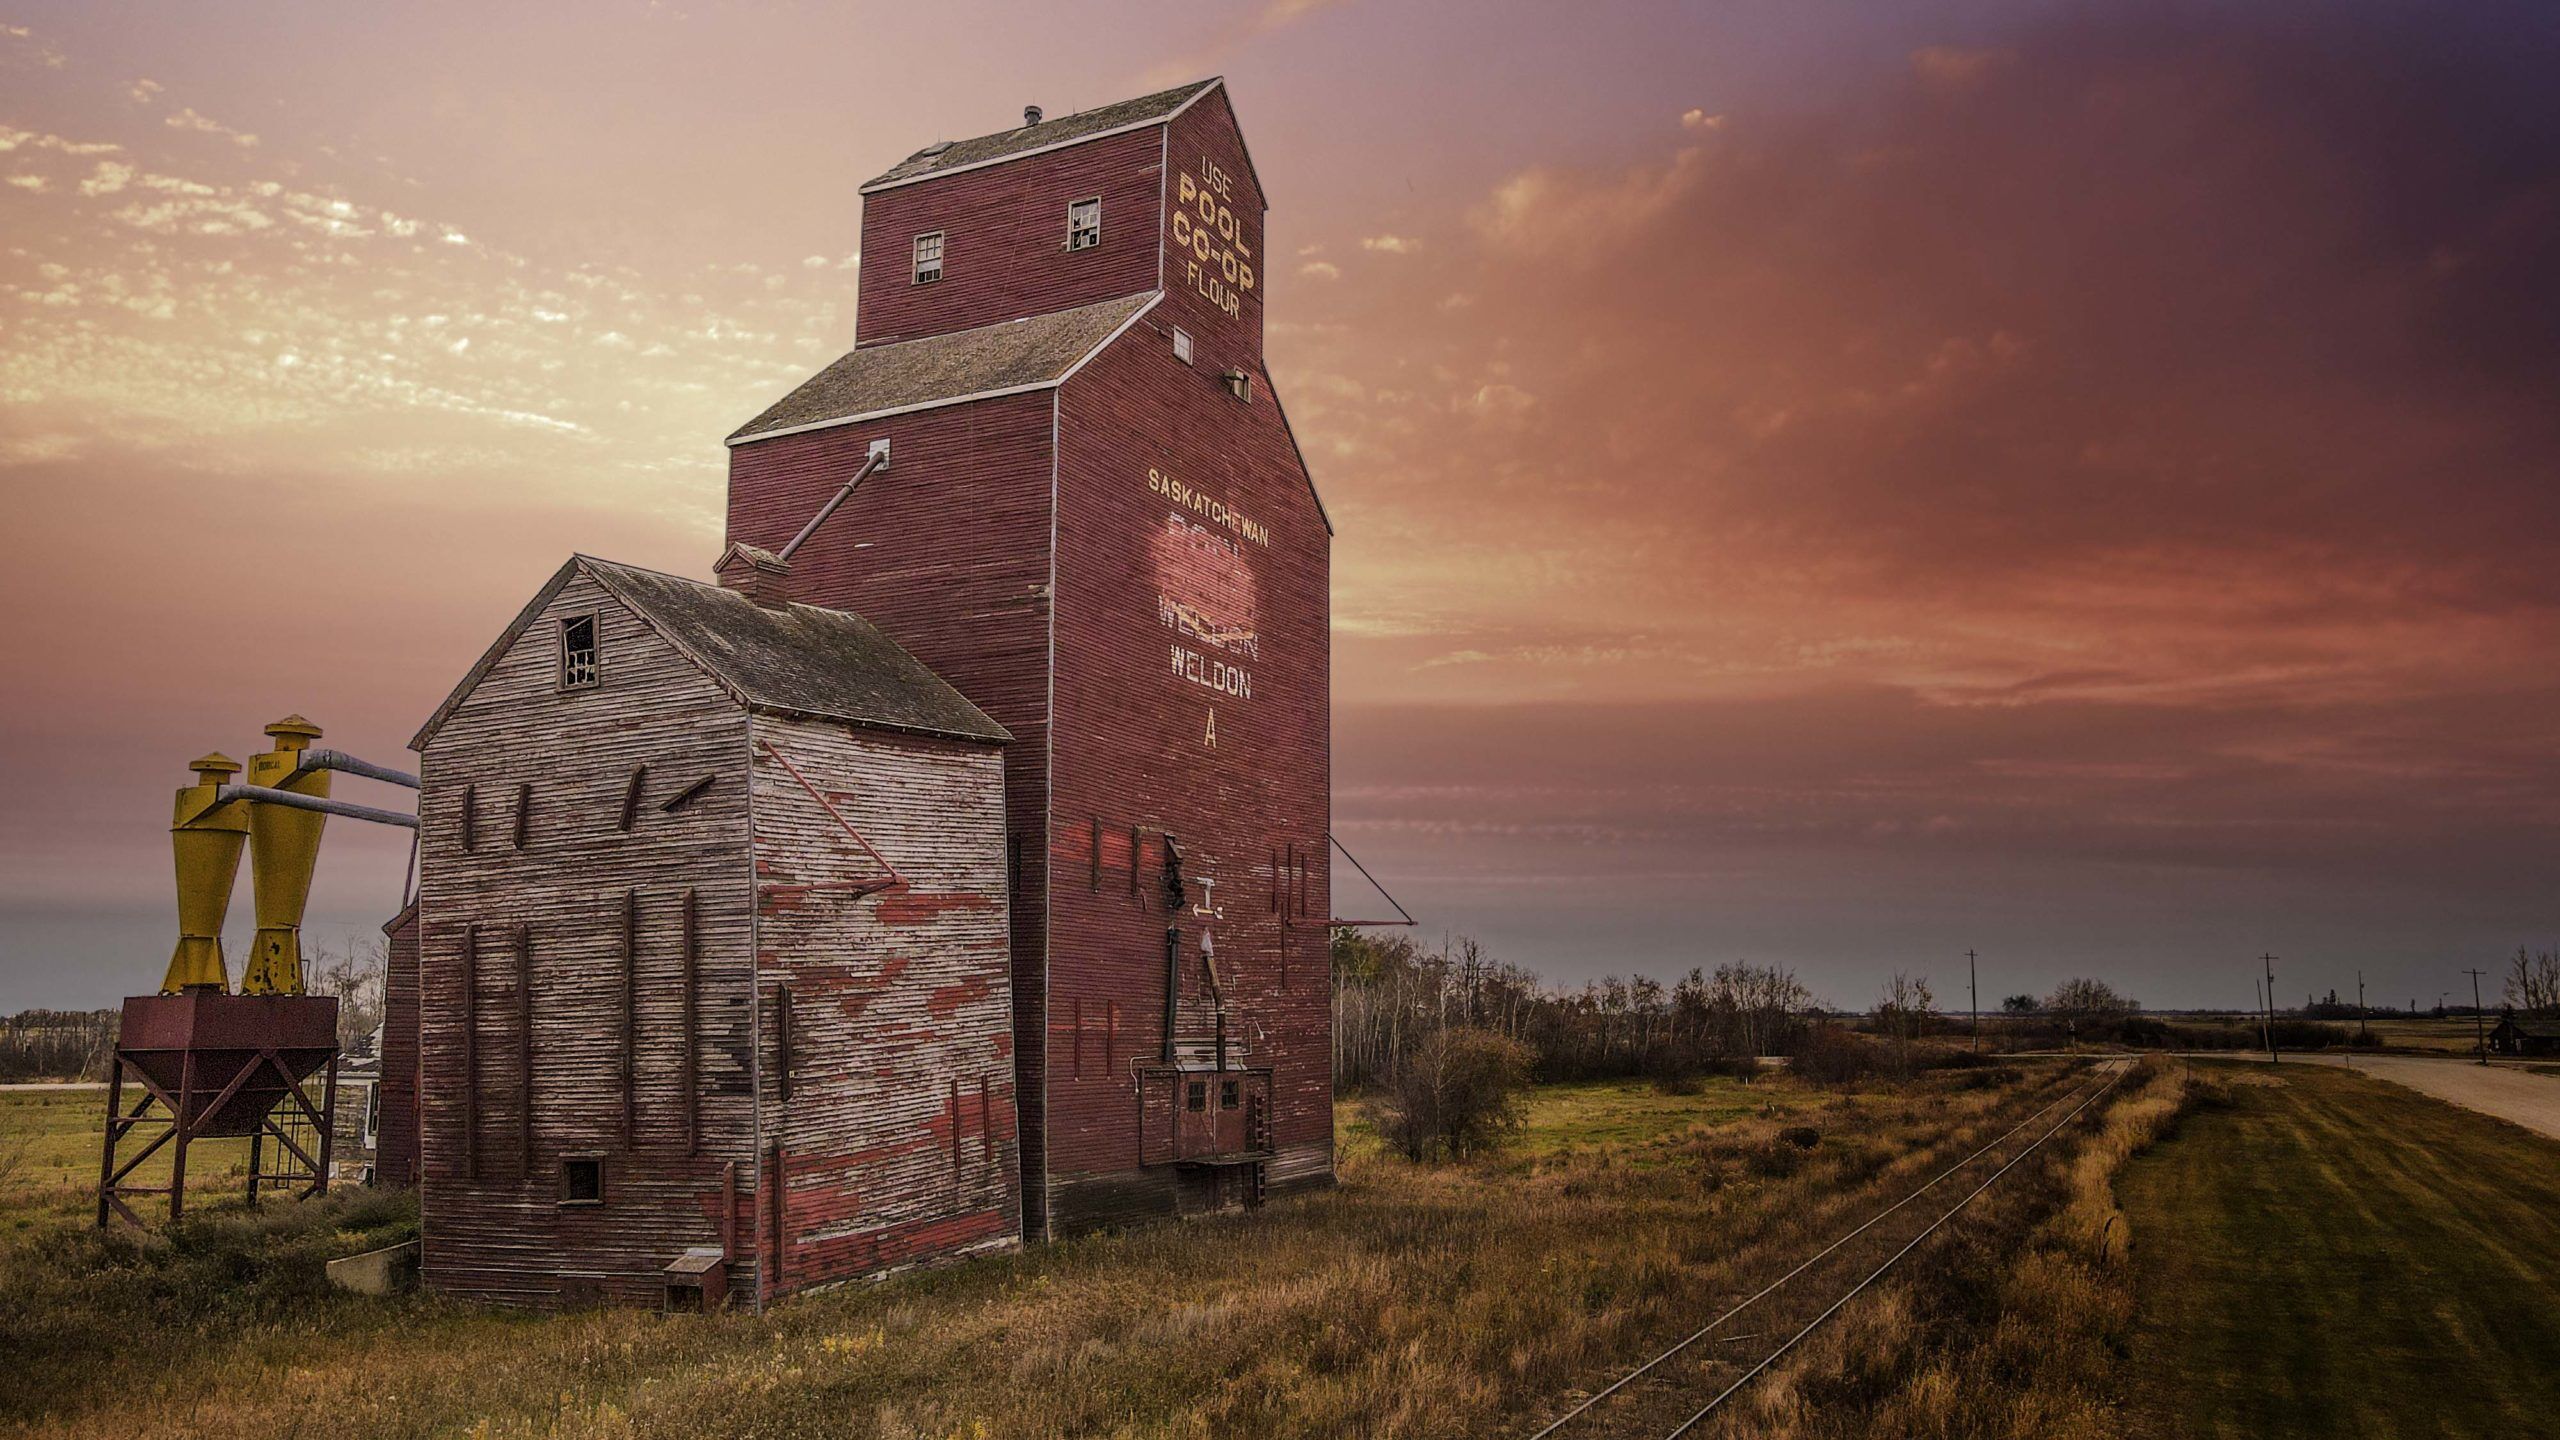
(1086, 239)
(1181, 344)
(916, 270)
(572, 676)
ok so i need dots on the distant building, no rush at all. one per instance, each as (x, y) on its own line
(2525, 1037)
(356, 1128)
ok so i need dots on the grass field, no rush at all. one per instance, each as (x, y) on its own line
(2327, 1254)
(1409, 1301)
(49, 1158)
(2447, 1037)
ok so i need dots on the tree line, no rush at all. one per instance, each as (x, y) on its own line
(1391, 997)
(80, 1044)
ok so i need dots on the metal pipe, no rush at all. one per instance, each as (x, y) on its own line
(878, 460)
(341, 760)
(261, 795)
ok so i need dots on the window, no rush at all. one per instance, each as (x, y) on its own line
(1084, 224)
(578, 652)
(582, 1180)
(1239, 384)
(1182, 345)
(1230, 1094)
(1195, 1096)
(372, 1117)
(928, 258)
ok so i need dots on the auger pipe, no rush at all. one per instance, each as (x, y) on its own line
(877, 460)
(262, 795)
(341, 760)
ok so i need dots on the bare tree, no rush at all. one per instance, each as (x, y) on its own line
(1903, 1011)
(356, 976)
(2083, 999)
(2533, 981)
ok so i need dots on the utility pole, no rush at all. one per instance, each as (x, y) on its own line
(2270, 962)
(2476, 1030)
(1973, 983)
(2360, 1010)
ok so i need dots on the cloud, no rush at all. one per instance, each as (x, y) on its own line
(25, 48)
(1390, 244)
(109, 177)
(188, 119)
(1321, 270)
(1233, 35)
(143, 92)
(1700, 120)
(1896, 494)
(1948, 67)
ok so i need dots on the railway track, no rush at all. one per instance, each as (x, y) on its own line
(1684, 1385)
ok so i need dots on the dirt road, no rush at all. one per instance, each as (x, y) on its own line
(2527, 1099)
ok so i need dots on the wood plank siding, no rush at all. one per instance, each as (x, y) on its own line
(784, 974)
(895, 1119)
(507, 1234)
(1004, 234)
(964, 586)
(1035, 551)
(396, 1143)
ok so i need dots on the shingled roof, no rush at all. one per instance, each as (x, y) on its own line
(1026, 354)
(801, 659)
(1066, 129)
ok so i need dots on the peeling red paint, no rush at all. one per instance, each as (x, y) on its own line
(908, 907)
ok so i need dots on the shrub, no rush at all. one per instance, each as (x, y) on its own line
(1831, 1054)
(1803, 1137)
(1456, 1096)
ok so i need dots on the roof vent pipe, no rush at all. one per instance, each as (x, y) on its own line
(878, 460)
(1030, 114)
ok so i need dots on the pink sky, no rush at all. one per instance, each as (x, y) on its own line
(1831, 484)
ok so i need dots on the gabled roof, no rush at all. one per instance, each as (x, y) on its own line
(1032, 353)
(945, 156)
(799, 659)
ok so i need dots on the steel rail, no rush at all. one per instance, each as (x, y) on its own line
(1854, 1291)
(1765, 1291)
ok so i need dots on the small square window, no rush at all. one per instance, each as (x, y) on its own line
(578, 662)
(1239, 384)
(582, 1180)
(1230, 1094)
(1182, 345)
(1084, 224)
(1195, 1096)
(928, 258)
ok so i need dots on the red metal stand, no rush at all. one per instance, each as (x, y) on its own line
(220, 1066)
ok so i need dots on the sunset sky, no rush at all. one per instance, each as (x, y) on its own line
(1836, 484)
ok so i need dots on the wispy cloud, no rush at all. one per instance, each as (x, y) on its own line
(188, 119)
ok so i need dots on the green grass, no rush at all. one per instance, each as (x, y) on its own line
(49, 1159)
(2327, 1254)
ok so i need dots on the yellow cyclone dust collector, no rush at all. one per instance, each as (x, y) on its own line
(284, 850)
(230, 1065)
(207, 832)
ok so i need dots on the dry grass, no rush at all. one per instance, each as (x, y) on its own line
(1410, 1301)
(2012, 1323)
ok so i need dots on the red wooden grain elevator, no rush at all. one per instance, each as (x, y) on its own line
(1099, 528)
(955, 868)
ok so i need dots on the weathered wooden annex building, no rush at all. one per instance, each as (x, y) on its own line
(956, 868)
